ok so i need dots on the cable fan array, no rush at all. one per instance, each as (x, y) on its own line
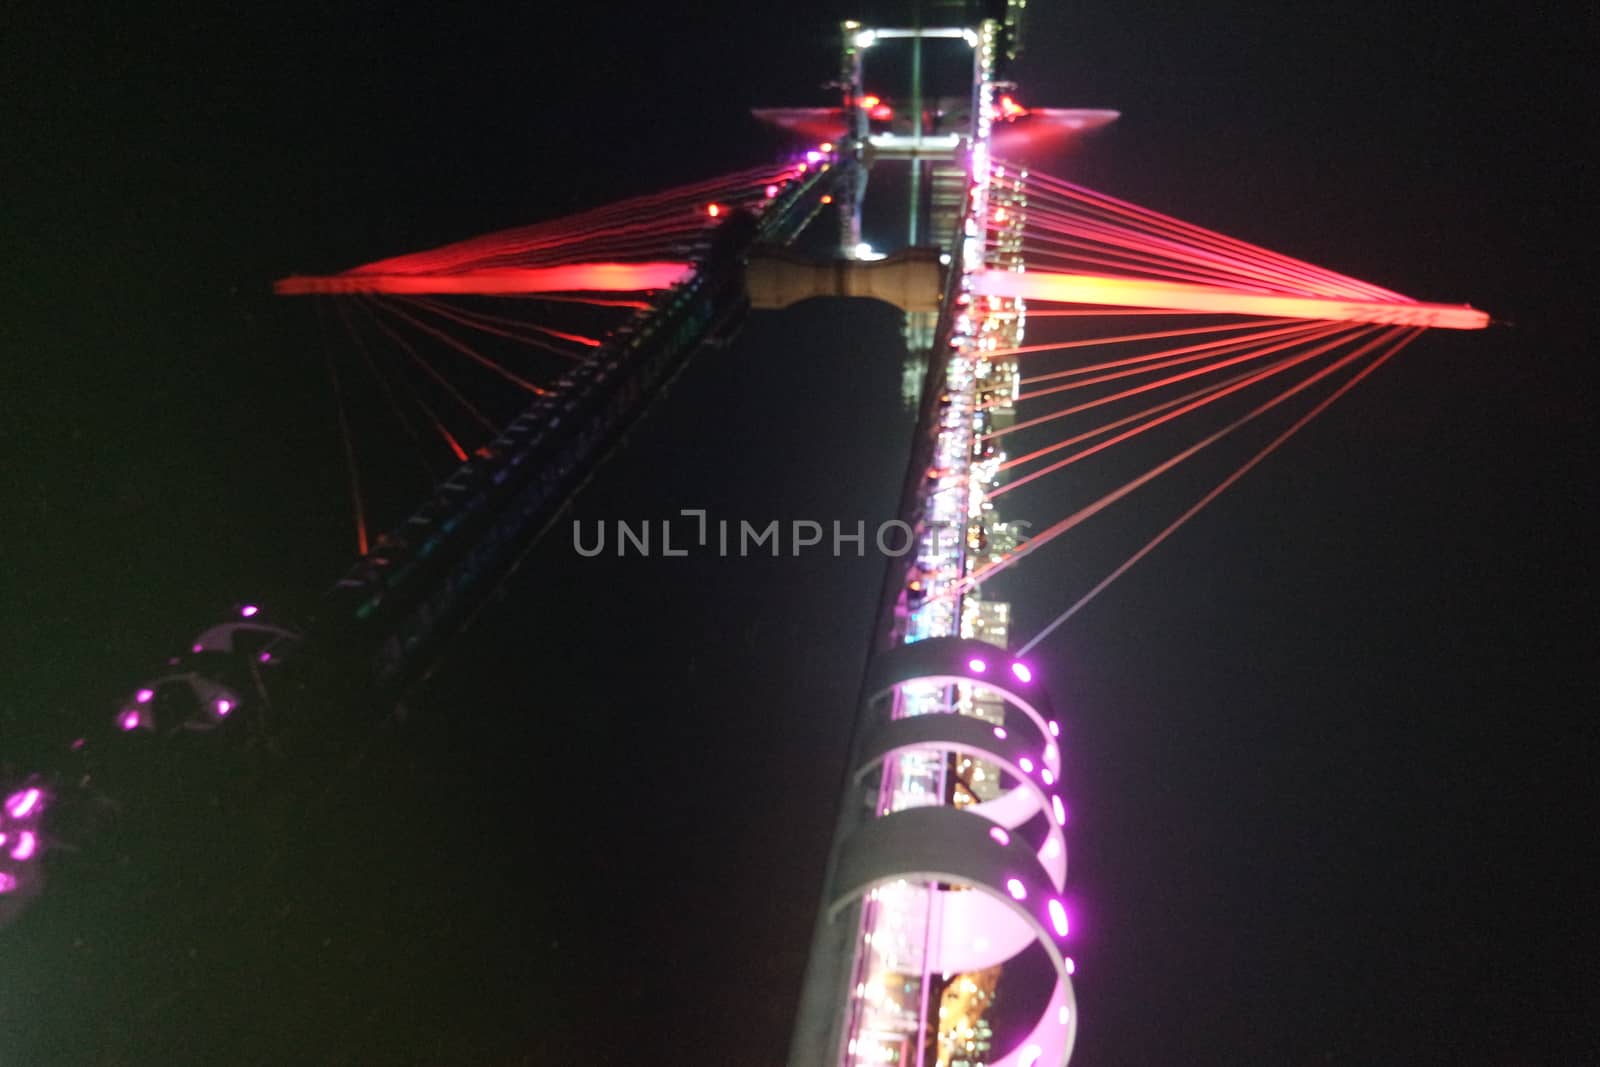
(450, 342)
(1250, 335)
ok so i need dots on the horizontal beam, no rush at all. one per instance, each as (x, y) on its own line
(1104, 290)
(499, 281)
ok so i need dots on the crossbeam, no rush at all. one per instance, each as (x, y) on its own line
(1103, 290)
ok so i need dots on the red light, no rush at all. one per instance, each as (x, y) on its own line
(713, 210)
(1010, 109)
(869, 101)
(881, 112)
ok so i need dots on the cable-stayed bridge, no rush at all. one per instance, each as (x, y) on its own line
(1040, 315)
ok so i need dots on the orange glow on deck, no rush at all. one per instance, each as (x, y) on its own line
(1182, 296)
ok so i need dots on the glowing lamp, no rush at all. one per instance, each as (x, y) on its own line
(1055, 728)
(999, 834)
(1058, 917)
(1000, 732)
(26, 845)
(223, 707)
(772, 191)
(1017, 890)
(713, 210)
(1030, 1056)
(130, 720)
(1048, 776)
(883, 112)
(20, 805)
(977, 666)
(1026, 764)
(1022, 673)
(1059, 809)
(144, 696)
(249, 611)
(869, 102)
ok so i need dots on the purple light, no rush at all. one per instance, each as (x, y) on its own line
(1051, 753)
(1026, 764)
(772, 191)
(1000, 835)
(1048, 775)
(265, 657)
(1058, 917)
(196, 648)
(144, 696)
(1017, 890)
(249, 610)
(130, 720)
(1030, 1056)
(26, 845)
(77, 745)
(1060, 809)
(1072, 968)
(223, 707)
(813, 156)
(1022, 672)
(1000, 732)
(20, 804)
(977, 666)
(7, 882)
(1055, 728)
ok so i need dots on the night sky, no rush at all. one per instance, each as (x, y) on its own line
(1329, 749)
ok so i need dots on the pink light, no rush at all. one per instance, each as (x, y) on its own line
(26, 845)
(223, 707)
(1017, 890)
(1000, 732)
(1030, 1056)
(1026, 764)
(249, 610)
(813, 157)
(1060, 809)
(265, 657)
(144, 696)
(1048, 776)
(1024, 675)
(1072, 968)
(130, 719)
(1055, 728)
(197, 648)
(977, 666)
(575, 277)
(21, 804)
(772, 191)
(1058, 917)
(7, 882)
(1000, 835)
(1063, 1016)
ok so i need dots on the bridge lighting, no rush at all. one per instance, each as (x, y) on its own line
(977, 666)
(813, 156)
(1026, 764)
(1055, 728)
(772, 191)
(882, 112)
(144, 696)
(223, 707)
(26, 844)
(8, 882)
(265, 657)
(1072, 968)
(864, 251)
(713, 210)
(1058, 917)
(826, 146)
(868, 102)
(1059, 809)
(131, 719)
(249, 610)
(19, 805)
(827, 198)
(1000, 835)
(1030, 1056)
(1000, 732)
(1048, 776)
(1023, 674)
(865, 39)
(1017, 890)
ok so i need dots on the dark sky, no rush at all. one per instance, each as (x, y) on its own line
(1330, 747)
